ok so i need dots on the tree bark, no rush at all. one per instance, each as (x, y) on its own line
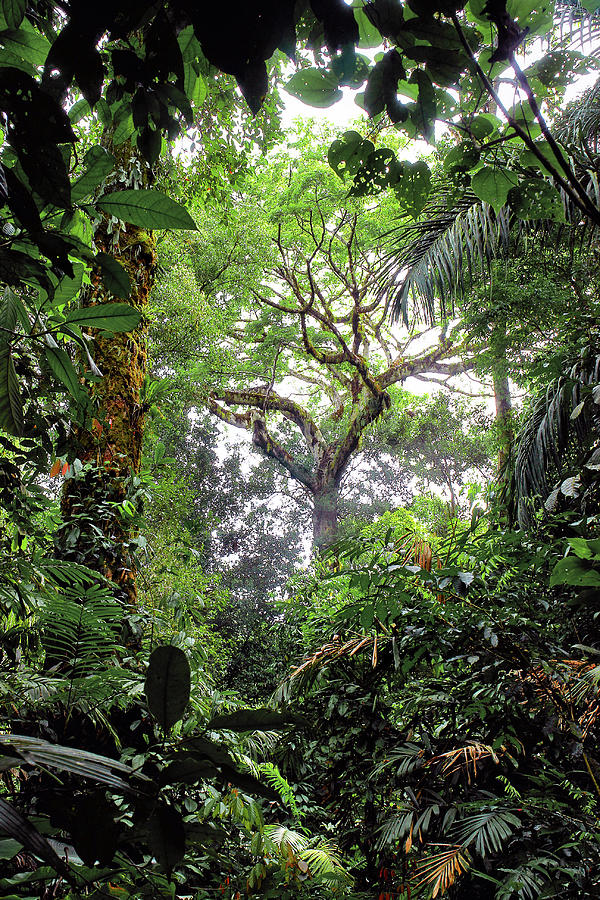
(503, 403)
(111, 443)
(325, 516)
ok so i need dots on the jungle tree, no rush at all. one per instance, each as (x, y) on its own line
(316, 334)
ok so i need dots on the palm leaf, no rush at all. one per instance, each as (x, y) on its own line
(37, 752)
(487, 830)
(564, 416)
(443, 869)
(433, 260)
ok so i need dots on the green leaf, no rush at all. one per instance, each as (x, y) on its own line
(123, 124)
(573, 570)
(11, 403)
(535, 198)
(349, 153)
(78, 111)
(483, 126)
(13, 12)
(166, 836)
(369, 36)
(62, 367)
(27, 44)
(67, 287)
(314, 87)
(461, 158)
(187, 770)
(167, 686)
(115, 278)
(108, 316)
(250, 720)
(492, 184)
(147, 209)
(11, 311)
(413, 187)
(99, 163)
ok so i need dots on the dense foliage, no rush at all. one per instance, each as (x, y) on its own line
(359, 660)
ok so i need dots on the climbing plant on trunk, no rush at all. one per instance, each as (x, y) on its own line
(109, 442)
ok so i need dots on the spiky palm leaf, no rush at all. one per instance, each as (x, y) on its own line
(426, 260)
(443, 869)
(433, 260)
(321, 862)
(487, 831)
(566, 416)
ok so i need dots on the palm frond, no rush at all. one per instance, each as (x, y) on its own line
(487, 831)
(443, 869)
(575, 24)
(565, 416)
(434, 260)
(37, 752)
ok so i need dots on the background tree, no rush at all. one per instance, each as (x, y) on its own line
(316, 328)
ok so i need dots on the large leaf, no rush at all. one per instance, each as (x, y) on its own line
(314, 87)
(62, 367)
(115, 278)
(574, 571)
(99, 163)
(11, 403)
(13, 12)
(95, 832)
(11, 310)
(108, 316)
(166, 837)
(250, 720)
(167, 685)
(15, 825)
(37, 752)
(147, 209)
(492, 184)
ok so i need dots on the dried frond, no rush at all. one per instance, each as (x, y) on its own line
(418, 551)
(573, 689)
(335, 649)
(443, 869)
(465, 759)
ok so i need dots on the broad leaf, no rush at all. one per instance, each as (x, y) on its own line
(575, 571)
(349, 153)
(116, 279)
(13, 12)
(314, 87)
(147, 209)
(492, 184)
(63, 369)
(167, 685)
(166, 837)
(413, 186)
(250, 720)
(108, 316)
(99, 163)
(11, 403)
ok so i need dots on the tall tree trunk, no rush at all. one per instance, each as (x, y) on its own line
(325, 516)
(503, 403)
(110, 446)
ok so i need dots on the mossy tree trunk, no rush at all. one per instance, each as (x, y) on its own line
(95, 530)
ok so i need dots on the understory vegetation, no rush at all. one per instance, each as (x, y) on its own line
(300, 450)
